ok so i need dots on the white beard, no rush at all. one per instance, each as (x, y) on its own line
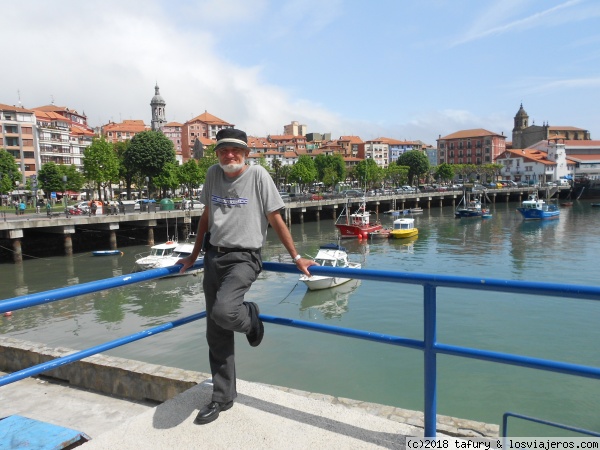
(232, 168)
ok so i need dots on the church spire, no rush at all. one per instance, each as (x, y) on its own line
(158, 110)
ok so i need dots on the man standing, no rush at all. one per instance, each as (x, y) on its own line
(240, 202)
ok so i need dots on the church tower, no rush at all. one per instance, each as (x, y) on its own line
(158, 110)
(521, 123)
(521, 119)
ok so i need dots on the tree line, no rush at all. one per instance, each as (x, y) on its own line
(148, 161)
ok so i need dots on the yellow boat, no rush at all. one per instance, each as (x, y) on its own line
(404, 228)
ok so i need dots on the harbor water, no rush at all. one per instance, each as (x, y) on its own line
(503, 247)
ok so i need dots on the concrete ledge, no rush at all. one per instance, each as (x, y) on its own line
(109, 375)
(139, 381)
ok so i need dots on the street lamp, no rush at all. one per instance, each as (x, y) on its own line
(64, 178)
(148, 193)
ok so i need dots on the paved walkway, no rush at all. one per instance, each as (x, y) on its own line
(263, 417)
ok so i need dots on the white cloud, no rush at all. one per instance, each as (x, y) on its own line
(487, 24)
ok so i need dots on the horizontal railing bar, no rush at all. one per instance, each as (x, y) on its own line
(40, 298)
(508, 414)
(451, 281)
(517, 360)
(348, 332)
(55, 363)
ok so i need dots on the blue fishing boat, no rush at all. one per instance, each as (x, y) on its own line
(534, 208)
(106, 252)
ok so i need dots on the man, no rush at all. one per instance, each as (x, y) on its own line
(240, 202)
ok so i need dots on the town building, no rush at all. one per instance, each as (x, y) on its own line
(120, 132)
(294, 129)
(476, 146)
(172, 130)
(525, 135)
(204, 127)
(19, 138)
(377, 150)
(350, 145)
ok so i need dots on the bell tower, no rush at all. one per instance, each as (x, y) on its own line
(158, 110)
(521, 123)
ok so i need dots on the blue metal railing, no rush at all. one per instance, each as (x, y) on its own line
(428, 345)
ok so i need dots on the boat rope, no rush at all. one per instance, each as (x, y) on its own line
(37, 257)
(289, 293)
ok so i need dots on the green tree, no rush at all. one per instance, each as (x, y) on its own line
(126, 173)
(367, 172)
(9, 171)
(276, 173)
(331, 169)
(417, 162)
(396, 175)
(444, 172)
(304, 171)
(100, 165)
(190, 175)
(149, 152)
(50, 179)
(209, 159)
(168, 179)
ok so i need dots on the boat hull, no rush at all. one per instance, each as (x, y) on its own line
(106, 252)
(403, 234)
(316, 283)
(353, 231)
(536, 214)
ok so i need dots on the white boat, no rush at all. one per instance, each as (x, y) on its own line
(165, 255)
(329, 255)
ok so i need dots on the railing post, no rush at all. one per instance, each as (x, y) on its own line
(430, 362)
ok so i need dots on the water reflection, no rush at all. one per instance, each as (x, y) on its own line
(330, 303)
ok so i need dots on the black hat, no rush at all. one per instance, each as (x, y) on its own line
(230, 137)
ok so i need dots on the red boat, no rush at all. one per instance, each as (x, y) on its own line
(356, 224)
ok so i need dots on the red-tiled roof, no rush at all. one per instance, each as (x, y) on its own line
(173, 124)
(14, 108)
(351, 139)
(135, 126)
(208, 118)
(530, 154)
(477, 132)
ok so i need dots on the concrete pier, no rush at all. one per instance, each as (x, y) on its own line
(129, 404)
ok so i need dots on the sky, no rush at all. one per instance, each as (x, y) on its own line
(406, 70)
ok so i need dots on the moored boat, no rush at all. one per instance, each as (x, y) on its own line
(383, 233)
(329, 255)
(107, 252)
(165, 255)
(534, 208)
(356, 224)
(470, 207)
(404, 228)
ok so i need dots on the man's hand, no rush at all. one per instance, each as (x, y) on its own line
(303, 264)
(186, 263)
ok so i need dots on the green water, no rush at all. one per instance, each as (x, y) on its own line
(564, 250)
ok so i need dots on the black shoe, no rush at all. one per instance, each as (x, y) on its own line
(211, 412)
(255, 336)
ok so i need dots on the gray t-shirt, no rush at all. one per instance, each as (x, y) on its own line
(239, 206)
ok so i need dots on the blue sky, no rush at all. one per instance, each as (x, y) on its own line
(394, 68)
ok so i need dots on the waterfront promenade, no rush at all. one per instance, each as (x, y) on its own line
(265, 417)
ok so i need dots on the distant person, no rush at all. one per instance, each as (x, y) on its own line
(22, 207)
(240, 203)
(93, 208)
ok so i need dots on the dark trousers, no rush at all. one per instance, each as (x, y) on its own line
(227, 278)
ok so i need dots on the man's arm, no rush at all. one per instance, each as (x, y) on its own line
(285, 237)
(189, 261)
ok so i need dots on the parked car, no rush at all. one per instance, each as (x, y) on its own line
(141, 201)
(409, 189)
(352, 193)
(83, 206)
(285, 196)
